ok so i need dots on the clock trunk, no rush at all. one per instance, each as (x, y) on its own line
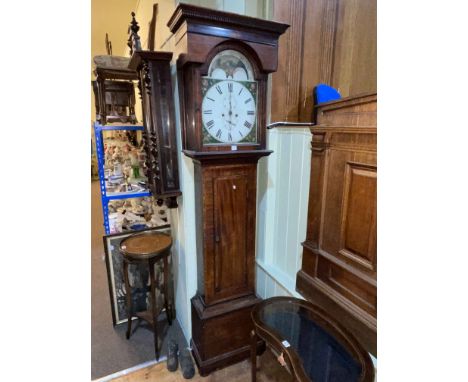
(226, 211)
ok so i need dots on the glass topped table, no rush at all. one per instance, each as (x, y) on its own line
(310, 343)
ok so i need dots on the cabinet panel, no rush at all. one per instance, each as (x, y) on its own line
(230, 199)
(349, 204)
(348, 285)
(358, 223)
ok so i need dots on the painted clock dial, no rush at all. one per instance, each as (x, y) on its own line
(229, 105)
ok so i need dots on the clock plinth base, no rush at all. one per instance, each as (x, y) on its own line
(221, 333)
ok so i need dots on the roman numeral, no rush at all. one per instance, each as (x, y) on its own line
(247, 101)
(247, 124)
(210, 124)
(211, 99)
(230, 87)
(250, 112)
(240, 91)
(218, 88)
(208, 112)
(218, 134)
(242, 135)
(229, 136)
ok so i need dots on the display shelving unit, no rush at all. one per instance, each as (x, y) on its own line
(106, 196)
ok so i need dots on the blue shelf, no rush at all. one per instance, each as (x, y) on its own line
(98, 129)
(124, 195)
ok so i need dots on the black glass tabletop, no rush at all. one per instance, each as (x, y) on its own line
(323, 357)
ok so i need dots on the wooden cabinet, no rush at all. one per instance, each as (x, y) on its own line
(339, 266)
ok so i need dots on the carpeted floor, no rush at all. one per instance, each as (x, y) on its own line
(110, 350)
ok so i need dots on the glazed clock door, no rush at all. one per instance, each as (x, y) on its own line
(229, 101)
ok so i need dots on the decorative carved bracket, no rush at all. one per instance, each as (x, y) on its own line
(146, 77)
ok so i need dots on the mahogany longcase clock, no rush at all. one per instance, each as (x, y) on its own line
(223, 64)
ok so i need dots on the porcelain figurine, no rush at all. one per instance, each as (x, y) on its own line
(137, 208)
(117, 169)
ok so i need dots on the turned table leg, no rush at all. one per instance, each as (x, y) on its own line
(165, 288)
(128, 297)
(154, 310)
(253, 355)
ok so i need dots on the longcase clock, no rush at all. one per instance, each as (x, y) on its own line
(223, 64)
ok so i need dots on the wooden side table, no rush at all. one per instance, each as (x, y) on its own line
(147, 248)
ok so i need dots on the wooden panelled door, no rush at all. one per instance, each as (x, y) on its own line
(230, 207)
(230, 218)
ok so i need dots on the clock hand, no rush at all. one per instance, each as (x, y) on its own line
(230, 110)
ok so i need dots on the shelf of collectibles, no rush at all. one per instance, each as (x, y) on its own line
(127, 204)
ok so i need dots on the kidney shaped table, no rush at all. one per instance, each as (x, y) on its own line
(311, 345)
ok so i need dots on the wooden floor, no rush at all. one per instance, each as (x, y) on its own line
(268, 370)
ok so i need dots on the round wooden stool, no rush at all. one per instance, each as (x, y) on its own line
(148, 248)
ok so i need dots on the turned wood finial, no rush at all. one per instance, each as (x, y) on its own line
(133, 40)
(108, 45)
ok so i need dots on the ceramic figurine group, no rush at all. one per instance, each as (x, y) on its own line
(136, 214)
(124, 163)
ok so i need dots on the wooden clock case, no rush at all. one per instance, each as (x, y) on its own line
(155, 85)
(225, 181)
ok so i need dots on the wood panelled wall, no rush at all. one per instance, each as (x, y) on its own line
(329, 41)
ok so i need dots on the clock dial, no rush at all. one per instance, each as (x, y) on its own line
(229, 105)
(229, 111)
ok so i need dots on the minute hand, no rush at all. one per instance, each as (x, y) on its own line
(230, 110)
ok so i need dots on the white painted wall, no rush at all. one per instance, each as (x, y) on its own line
(283, 191)
(183, 223)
